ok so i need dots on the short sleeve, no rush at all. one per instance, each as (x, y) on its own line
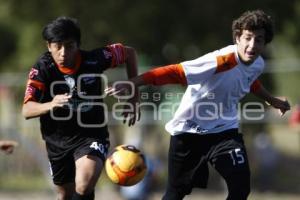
(35, 86)
(118, 54)
(200, 69)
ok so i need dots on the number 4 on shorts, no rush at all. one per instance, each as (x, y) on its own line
(98, 147)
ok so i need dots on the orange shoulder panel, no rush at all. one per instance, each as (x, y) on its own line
(226, 62)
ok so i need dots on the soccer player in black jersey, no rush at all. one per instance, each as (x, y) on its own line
(64, 90)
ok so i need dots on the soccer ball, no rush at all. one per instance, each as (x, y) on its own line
(126, 165)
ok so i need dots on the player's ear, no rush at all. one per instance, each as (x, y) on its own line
(237, 39)
(48, 46)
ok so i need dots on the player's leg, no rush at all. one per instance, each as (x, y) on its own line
(62, 170)
(65, 191)
(183, 164)
(238, 186)
(63, 179)
(90, 157)
(88, 170)
(231, 161)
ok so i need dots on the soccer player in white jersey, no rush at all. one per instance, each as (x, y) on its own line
(215, 81)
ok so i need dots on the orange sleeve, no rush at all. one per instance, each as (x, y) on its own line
(170, 74)
(32, 89)
(256, 85)
(118, 53)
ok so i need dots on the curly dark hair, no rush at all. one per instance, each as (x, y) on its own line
(253, 20)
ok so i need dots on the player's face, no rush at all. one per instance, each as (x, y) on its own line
(250, 45)
(64, 53)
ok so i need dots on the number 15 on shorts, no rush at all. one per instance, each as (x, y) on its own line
(237, 156)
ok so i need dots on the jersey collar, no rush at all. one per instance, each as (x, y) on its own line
(68, 70)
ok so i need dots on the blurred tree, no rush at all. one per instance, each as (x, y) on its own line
(8, 43)
(165, 30)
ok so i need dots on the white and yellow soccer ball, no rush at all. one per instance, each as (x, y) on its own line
(126, 165)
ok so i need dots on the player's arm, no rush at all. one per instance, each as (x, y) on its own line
(132, 71)
(170, 74)
(35, 90)
(131, 62)
(121, 54)
(279, 103)
(33, 109)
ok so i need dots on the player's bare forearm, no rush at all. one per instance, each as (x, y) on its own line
(125, 88)
(32, 109)
(138, 81)
(131, 62)
(263, 94)
(279, 103)
(130, 116)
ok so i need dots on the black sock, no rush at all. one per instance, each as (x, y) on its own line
(90, 196)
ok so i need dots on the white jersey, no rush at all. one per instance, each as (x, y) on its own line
(216, 83)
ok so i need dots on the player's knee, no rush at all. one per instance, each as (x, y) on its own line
(83, 189)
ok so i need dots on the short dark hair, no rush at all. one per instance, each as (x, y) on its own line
(254, 20)
(62, 28)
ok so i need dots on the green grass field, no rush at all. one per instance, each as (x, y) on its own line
(114, 195)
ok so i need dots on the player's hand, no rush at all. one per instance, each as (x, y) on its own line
(60, 100)
(8, 146)
(132, 112)
(125, 88)
(282, 104)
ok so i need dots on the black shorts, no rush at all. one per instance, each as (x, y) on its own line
(62, 164)
(189, 155)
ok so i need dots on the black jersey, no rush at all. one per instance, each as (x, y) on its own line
(84, 115)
